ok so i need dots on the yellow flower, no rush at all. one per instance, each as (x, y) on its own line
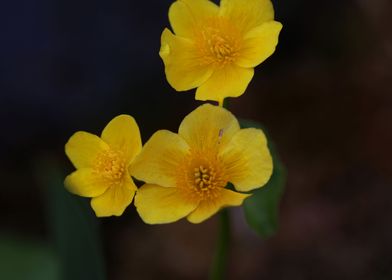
(102, 165)
(215, 48)
(186, 173)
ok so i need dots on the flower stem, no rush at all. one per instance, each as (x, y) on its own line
(219, 264)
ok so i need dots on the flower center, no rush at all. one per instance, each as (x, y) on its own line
(218, 41)
(110, 165)
(203, 176)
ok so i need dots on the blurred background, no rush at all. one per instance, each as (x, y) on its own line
(325, 98)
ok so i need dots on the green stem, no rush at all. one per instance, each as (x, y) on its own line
(219, 264)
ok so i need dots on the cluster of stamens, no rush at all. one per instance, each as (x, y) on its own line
(203, 178)
(218, 47)
(110, 165)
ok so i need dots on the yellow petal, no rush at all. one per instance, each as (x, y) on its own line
(247, 15)
(83, 147)
(159, 205)
(247, 159)
(122, 134)
(160, 158)
(115, 200)
(85, 182)
(183, 64)
(208, 127)
(207, 208)
(229, 81)
(186, 15)
(259, 44)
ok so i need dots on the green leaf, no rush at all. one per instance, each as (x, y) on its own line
(262, 208)
(73, 226)
(22, 259)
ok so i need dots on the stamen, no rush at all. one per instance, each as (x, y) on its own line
(206, 181)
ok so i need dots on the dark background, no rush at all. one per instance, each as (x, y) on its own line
(325, 97)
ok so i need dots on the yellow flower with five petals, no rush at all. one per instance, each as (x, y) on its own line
(186, 174)
(215, 48)
(102, 165)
